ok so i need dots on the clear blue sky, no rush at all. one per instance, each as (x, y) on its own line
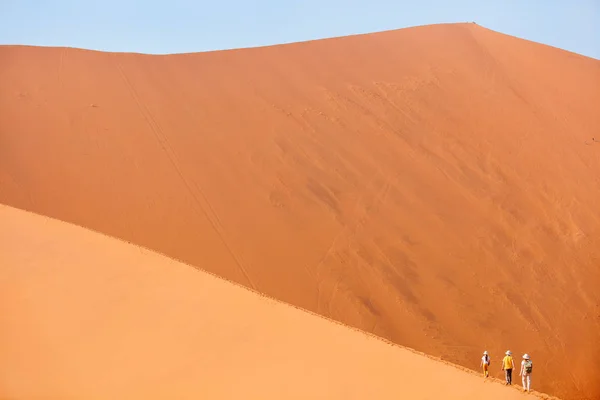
(175, 26)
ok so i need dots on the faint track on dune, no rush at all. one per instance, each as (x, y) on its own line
(357, 221)
(210, 215)
(337, 237)
(351, 228)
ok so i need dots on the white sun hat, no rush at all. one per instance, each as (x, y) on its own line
(526, 356)
(485, 352)
(508, 352)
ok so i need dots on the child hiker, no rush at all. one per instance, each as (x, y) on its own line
(485, 363)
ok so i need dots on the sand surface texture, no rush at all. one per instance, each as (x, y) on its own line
(86, 316)
(438, 186)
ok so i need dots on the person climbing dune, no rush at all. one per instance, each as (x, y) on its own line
(507, 366)
(526, 368)
(485, 363)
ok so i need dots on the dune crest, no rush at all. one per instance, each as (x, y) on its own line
(90, 317)
(437, 186)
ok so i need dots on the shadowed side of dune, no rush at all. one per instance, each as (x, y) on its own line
(85, 316)
(436, 186)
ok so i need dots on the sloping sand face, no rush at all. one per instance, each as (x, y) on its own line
(437, 186)
(85, 316)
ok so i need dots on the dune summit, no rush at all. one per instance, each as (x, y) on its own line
(437, 186)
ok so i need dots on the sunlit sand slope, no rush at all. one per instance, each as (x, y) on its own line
(85, 316)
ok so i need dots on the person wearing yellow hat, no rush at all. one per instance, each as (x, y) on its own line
(526, 368)
(485, 363)
(507, 366)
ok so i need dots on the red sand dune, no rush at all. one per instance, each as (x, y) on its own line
(438, 186)
(88, 317)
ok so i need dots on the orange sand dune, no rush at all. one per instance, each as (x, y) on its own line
(438, 186)
(88, 317)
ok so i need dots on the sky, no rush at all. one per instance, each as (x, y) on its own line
(178, 26)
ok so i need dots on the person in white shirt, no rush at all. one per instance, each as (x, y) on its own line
(485, 363)
(526, 367)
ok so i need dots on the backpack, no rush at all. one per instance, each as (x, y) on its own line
(528, 366)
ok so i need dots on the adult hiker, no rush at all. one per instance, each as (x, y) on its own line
(507, 366)
(485, 363)
(526, 368)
